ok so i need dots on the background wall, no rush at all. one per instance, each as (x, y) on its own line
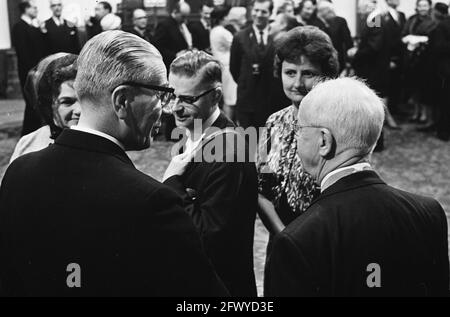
(5, 40)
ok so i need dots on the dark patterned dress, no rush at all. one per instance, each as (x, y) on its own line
(281, 177)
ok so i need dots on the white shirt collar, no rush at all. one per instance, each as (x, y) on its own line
(100, 134)
(358, 167)
(205, 24)
(27, 19)
(58, 21)
(265, 33)
(394, 13)
(191, 144)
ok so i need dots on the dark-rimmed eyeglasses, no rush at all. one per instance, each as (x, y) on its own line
(164, 93)
(192, 99)
(298, 128)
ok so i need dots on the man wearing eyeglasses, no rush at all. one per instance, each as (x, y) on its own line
(220, 192)
(360, 237)
(61, 35)
(82, 204)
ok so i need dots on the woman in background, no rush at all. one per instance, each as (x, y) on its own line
(221, 39)
(50, 86)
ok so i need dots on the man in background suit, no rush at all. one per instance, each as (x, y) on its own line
(140, 21)
(251, 65)
(82, 204)
(219, 190)
(336, 27)
(200, 29)
(93, 26)
(395, 25)
(172, 35)
(28, 41)
(360, 237)
(61, 36)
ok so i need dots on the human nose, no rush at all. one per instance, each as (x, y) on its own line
(298, 82)
(76, 109)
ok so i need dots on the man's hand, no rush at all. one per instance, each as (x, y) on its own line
(177, 165)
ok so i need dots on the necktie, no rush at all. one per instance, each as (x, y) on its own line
(261, 39)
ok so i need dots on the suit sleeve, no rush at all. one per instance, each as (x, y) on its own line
(180, 251)
(288, 272)
(161, 39)
(235, 58)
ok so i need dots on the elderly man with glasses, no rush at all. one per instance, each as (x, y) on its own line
(219, 190)
(360, 237)
(104, 228)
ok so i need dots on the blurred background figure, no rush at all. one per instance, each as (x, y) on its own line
(111, 22)
(305, 13)
(28, 41)
(172, 37)
(61, 35)
(200, 29)
(337, 28)
(93, 26)
(419, 72)
(221, 40)
(440, 43)
(50, 89)
(140, 23)
(237, 19)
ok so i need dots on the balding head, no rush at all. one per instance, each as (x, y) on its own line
(340, 120)
(140, 19)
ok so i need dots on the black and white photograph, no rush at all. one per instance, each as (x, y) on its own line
(224, 154)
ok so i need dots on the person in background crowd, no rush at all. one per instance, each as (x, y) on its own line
(440, 47)
(336, 27)
(82, 201)
(251, 65)
(303, 57)
(371, 59)
(418, 70)
(358, 225)
(93, 26)
(140, 22)
(60, 35)
(29, 44)
(221, 40)
(395, 22)
(287, 8)
(50, 87)
(220, 193)
(200, 29)
(237, 19)
(306, 12)
(172, 37)
(111, 22)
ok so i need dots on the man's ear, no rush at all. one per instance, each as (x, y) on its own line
(327, 144)
(121, 101)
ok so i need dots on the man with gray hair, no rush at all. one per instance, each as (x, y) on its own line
(78, 219)
(361, 237)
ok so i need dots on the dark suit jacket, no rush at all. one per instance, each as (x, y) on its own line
(147, 36)
(62, 38)
(221, 198)
(29, 44)
(169, 40)
(253, 90)
(372, 60)
(440, 48)
(395, 31)
(355, 222)
(93, 29)
(200, 35)
(82, 201)
(341, 37)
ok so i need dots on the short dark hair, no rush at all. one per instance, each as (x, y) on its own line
(106, 6)
(193, 63)
(310, 42)
(283, 7)
(442, 8)
(208, 3)
(262, 1)
(219, 13)
(23, 6)
(44, 82)
(429, 2)
(302, 3)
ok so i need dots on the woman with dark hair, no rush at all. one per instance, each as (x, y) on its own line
(50, 86)
(416, 35)
(306, 12)
(303, 56)
(221, 39)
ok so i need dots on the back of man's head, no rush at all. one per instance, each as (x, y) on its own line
(349, 109)
(114, 57)
(106, 6)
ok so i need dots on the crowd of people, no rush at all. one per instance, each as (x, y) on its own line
(71, 195)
